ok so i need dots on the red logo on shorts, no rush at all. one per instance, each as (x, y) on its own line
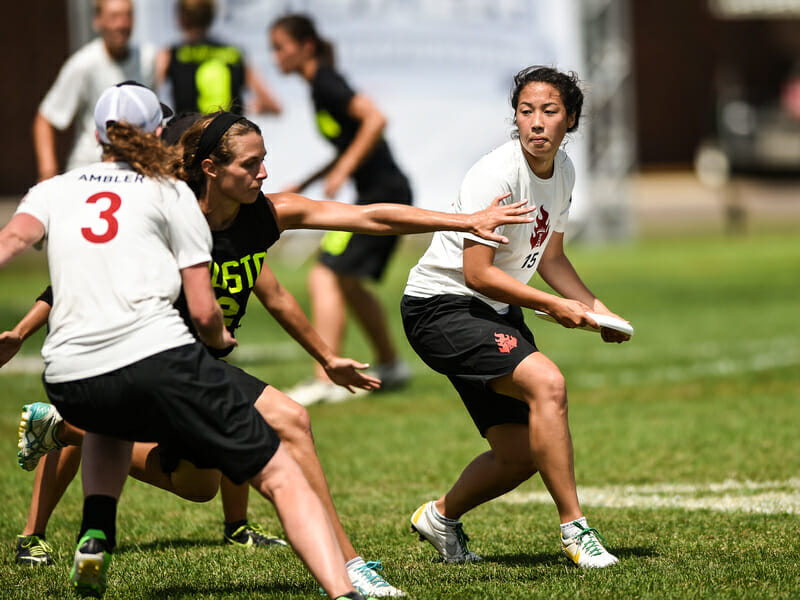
(505, 343)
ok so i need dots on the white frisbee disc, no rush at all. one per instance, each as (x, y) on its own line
(602, 320)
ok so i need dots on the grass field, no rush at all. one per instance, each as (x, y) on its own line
(686, 443)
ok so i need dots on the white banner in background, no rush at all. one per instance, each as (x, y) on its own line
(441, 70)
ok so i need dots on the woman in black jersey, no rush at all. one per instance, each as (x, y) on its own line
(206, 75)
(223, 163)
(354, 125)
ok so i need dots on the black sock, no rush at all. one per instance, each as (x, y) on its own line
(100, 512)
(230, 528)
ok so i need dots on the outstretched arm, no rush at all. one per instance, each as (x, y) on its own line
(284, 307)
(11, 341)
(298, 212)
(263, 100)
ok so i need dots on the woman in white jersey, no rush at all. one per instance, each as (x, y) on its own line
(120, 363)
(462, 315)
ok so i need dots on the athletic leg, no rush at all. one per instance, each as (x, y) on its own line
(305, 521)
(538, 382)
(328, 310)
(105, 468)
(492, 473)
(186, 481)
(53, 475)
(293, 425)
(489, 475)
(371, 316)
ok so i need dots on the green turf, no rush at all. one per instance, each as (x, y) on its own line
(706, 392)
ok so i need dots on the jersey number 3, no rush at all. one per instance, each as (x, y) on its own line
(107, 215)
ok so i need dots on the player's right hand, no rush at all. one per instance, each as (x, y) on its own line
(10, 343)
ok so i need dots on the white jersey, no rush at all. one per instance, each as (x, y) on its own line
(441, 268)
(116, 242)
(80, 82)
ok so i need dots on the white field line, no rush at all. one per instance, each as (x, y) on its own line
(279, 352)
(764, 497)
(782, 352)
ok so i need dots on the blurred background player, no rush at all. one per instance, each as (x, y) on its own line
(204, 75)
(103, 62)
(355, 126)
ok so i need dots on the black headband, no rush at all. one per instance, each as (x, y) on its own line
(213, 134)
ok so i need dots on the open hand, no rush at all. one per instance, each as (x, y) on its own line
(347, 373)
(488, 219)
(10, 343)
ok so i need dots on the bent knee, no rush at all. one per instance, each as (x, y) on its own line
(295, 423)
(193, 484)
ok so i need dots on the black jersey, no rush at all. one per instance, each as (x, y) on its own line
(331, 95)
(206, 77)
(237, 256)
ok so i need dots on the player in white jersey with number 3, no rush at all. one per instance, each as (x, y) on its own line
(123, 237)
(462, 315)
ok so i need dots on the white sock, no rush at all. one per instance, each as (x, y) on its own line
(354, 562)
(440, 517)
(569, 530)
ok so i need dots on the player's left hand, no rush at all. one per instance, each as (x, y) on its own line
(333, 183)
(347, 373)
(485, 221)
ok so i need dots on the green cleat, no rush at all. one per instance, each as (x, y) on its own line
(251, 535)
(92, 558)
(33, 550)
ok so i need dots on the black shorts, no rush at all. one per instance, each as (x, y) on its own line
(467, 340)
(182, 399)
(359, 254)
(251, 387)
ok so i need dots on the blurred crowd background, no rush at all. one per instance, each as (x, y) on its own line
(697, 99)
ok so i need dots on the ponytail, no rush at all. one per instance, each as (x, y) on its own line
(144, 152)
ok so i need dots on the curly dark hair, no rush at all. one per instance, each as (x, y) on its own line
(567, 84)
(144, 152)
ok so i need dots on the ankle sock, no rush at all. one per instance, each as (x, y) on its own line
(569, 530)
(100, 512)
(354, 562)
(441, 518)
(230, 528)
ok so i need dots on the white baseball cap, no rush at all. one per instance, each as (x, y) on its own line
(132, 103)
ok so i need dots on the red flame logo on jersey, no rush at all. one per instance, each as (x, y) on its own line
(540, 228)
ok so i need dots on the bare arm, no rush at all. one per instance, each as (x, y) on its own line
(44, 143)
(162, 64)
(557, 271)
(372, 123)
(298, 212)
(11, 341)
(21, 232)
(263, 99)
(203, 308)
(483, 276)
(284, 308)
